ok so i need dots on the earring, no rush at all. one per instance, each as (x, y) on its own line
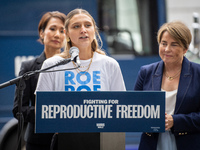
(68, 39)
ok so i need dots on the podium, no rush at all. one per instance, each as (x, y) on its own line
(98, 120)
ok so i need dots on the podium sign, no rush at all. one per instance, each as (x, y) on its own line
(127, 111)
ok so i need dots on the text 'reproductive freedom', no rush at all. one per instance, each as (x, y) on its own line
(100, 109)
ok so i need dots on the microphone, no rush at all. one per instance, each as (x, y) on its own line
(74, 52)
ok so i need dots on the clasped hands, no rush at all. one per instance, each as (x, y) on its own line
(169, 122)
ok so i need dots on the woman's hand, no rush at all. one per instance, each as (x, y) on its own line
(169, 122)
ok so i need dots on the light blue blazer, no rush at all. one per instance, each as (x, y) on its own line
(187, 110)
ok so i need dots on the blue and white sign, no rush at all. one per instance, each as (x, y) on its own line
(126, 111)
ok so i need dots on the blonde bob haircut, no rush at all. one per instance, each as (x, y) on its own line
(95, 43)
(179, 32)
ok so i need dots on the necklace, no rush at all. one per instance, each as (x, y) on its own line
(172, 77)
(82, 72)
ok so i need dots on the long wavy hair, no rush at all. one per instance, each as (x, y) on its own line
(96, 43)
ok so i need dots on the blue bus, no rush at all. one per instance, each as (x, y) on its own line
(128, 29)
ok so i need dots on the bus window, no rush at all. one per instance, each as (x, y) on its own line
(121, 26)
(130, 26)
(127, 18)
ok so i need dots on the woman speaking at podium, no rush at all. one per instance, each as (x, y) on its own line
(97, 72)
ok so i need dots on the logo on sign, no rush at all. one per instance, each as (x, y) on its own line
(100, 125)
(155, 129)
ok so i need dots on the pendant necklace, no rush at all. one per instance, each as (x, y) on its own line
(172, 77)
(83, 72)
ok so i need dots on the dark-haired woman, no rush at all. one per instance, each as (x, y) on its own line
(51, 35)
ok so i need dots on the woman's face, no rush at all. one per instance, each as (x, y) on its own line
(169, 50)
(81, 31)
(53, 35)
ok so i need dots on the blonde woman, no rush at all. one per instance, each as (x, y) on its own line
(180, 79)
(97, 72)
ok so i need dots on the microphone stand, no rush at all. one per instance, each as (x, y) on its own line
(20, 83)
